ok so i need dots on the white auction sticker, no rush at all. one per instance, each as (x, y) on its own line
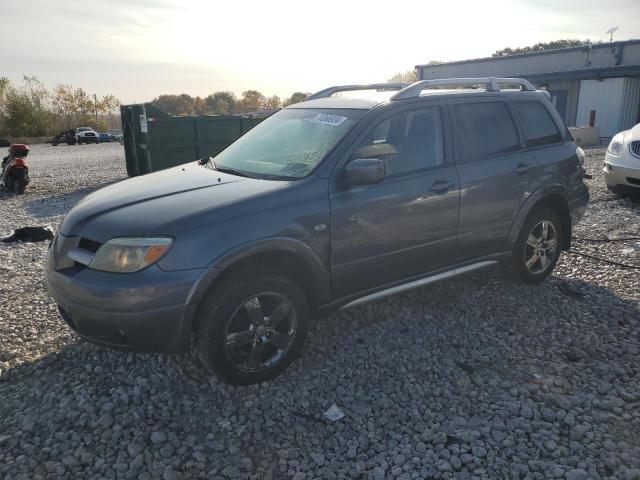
(143, 124)
(327, 119)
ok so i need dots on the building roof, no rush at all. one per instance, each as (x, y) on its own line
(593, 46)
(603, 60)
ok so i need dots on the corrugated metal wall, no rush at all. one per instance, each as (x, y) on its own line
(615, 100)
(630, 104)
(572, 88)
(605, 97)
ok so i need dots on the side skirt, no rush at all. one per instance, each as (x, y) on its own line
(410, 284)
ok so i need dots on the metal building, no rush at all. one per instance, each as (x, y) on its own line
(596, 85)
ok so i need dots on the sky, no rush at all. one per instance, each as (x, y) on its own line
(138, 49)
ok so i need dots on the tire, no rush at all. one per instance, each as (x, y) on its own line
(21, 186)
(19, 181)
(79, 141)
(234, 336)
(532, 243)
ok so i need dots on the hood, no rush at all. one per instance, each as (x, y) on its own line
(634, 133)
(159, 203)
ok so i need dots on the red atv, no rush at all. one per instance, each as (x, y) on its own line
(15, 172)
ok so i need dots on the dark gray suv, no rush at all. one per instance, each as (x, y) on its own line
(324, 205)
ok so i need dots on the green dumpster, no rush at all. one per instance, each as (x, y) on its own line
(154, 140)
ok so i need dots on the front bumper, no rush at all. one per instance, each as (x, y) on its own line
(622, 171)
(146, 311)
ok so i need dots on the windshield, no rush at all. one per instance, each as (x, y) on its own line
(289, 144)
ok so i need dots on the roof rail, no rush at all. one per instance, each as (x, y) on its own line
(492, 84)
(327, 92)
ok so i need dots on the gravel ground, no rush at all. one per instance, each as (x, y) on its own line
(476, 377)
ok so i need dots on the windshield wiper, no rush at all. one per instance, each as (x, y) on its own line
(234, 171)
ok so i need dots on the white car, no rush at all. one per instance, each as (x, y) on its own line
(622, 162)
(86, 135)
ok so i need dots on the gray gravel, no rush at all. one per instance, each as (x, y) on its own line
(476, 377)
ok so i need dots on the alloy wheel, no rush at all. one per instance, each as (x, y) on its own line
(541, 247)
(260, 332)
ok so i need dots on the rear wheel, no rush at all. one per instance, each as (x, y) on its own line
(21, 186)
(252, 326)
(538, 246)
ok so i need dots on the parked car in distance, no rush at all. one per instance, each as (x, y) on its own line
(116, 135)
(622, 162)
(4, 142)
(68, 137)
(104, 137)
(327, 204)
(86, 135)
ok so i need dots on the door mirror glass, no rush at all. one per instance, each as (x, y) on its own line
(364, 171)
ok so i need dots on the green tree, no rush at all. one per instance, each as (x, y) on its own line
(251, 101)
(72, 107)
(274, 102)
(26, 109)
(221, 103)
(296, 97)
(5, 85)
(175, 104)
(538, 47)
(409, 76)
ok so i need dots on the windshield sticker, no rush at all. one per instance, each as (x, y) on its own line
(327, 119)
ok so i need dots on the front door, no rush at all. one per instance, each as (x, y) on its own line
(408, 223)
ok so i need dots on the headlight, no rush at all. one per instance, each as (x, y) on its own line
(125, 255)
(615, 147)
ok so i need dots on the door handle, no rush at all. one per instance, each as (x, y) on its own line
(440, 186)
(522, 168)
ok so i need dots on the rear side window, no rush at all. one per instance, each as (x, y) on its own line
(484, 129)
(539, 127)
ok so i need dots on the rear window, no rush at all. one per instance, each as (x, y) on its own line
(485, 129)
(539, 127)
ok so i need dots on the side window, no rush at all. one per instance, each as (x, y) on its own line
(484, 129)
(539, 128)
(407, 141)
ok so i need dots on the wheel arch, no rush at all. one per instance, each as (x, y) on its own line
(293, 258)
(554, 199)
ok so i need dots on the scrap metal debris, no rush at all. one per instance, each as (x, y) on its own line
(30, 234)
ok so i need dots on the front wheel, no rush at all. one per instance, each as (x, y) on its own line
(252, 326)
(538, 246)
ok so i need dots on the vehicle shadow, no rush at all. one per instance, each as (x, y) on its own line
(444, 358)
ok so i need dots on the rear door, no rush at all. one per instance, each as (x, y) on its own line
(407, 224)
(496, 173)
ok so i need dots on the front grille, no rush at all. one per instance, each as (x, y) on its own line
(635, 148)
(89, 245)
(74, 253)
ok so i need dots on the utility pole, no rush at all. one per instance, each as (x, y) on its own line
(95, 104)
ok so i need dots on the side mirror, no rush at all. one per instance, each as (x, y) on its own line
(364, 171)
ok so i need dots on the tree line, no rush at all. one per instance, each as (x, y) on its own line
(223, 103)
(29, 109)
(539, 47)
